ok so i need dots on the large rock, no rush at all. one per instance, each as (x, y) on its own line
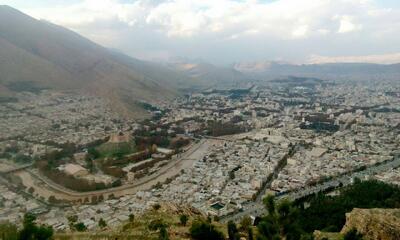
(382, 224)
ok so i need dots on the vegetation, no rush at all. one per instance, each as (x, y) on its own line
(282, 221)
(29, 231)
(102, 223)
(80, 227)
(233, 232)
(8, 231)
(201, 230)
(117, 150)
(328, 212)
(216, 129)
(183, 219)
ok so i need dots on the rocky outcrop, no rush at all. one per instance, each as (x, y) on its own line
(376, 224)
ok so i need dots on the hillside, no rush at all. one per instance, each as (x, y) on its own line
(36, 54)
(332, 71)
(207, 74)
(142, 227)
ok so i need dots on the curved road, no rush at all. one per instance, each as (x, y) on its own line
(46, 188)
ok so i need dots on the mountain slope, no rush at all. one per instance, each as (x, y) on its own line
(44, 55)
(208, 74)
(351, 71)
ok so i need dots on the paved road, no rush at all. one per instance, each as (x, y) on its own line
(47, 188)
(257, 208)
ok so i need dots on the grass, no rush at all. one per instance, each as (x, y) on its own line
(116, 149)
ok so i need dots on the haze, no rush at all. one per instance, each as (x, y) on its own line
(227, 31)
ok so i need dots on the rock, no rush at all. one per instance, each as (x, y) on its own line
(382, 224)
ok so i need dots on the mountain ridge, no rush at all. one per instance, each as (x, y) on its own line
(49, 56)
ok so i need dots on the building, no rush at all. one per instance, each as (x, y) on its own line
(75, 170)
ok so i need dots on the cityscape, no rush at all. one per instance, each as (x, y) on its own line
(199, 120)
(218, 151)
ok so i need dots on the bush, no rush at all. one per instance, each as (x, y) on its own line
(183, 219)
(102, 223)
(80, 227)
(201, 230)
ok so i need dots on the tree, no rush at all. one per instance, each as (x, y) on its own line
(281, 221)
(246, 223)
(80, 227)
(250, 234)
(102, 223)
(31, 231)
(201, 230)
(156, 206)
(183, 219)
(131, 217)
(353, 235)
(163, 234)
(232, 231)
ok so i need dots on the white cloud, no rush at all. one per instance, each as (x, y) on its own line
(215, 24)
(186, 18)
(380, 58)
(347, 25)
(300, 31)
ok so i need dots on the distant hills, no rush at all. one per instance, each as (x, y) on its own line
(37, 55)
(333, 71)
(206, 73)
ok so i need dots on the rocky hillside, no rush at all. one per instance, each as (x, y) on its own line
(374, 223)
(141, 226)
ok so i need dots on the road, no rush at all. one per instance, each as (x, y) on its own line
(257, 208)
(46, 188)
(15, 168)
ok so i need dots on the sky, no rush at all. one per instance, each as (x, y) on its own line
(227, 31)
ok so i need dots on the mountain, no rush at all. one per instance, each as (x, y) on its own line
(208, 74)
(351, 71)
(37, 54)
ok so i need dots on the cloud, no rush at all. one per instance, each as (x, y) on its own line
(347, 25)
(382, 59)
(273, 29)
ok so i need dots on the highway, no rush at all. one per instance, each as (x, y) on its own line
(257, 208)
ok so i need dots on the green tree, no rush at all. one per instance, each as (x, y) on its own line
(246, 223)
(281, 221)
(183, 219)
(131, 217)
(80, 227)
(102, 223)
(232, 231)
(163, 234)
(250, 234)
(201, 230)
(31, 231)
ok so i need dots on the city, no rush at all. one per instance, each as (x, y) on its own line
(218, 151)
